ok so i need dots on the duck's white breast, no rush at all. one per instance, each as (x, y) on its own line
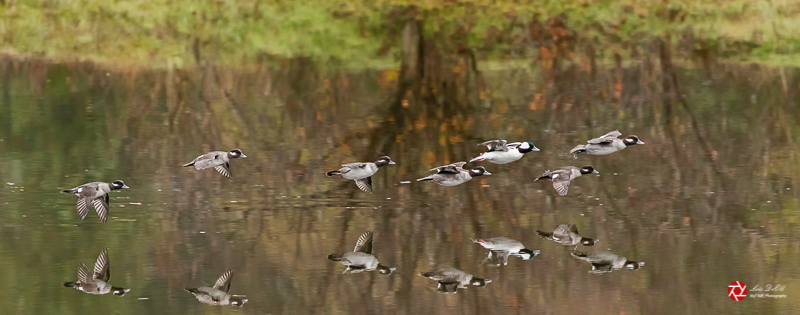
(501, 157)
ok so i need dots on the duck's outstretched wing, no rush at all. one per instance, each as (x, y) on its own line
(513, 145)
(102, 267)
(224, 169)
(606, 138)
(451, 168)
(365, 184)
(560, 180)
(495, 145)
(563, 230)
(224, 281)
(206, 160)
(364, 243)
(83, 275)
(561, 184)
(83, 207)
(101, 207)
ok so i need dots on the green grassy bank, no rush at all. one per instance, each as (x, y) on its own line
(180, 34)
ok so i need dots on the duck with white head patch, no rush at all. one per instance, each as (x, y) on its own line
(501, 152)
(454, 174)
(219, 160)
(563, 176)
(606, 144)
(361, 172)
(502, 247)
(95, 194)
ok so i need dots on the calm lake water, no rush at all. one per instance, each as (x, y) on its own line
(710, 199)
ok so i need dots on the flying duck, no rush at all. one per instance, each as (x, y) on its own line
(219, 160)
(606, 144)
(453, 174)
(501, 152)
(561, 177)
(361, 172)
(95, 194)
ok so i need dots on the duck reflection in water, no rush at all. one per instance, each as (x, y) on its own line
(361, 258)
(567, 235)
(97, 282)
(502, 247)
(603, 262)
(218, 294)
(452, 279)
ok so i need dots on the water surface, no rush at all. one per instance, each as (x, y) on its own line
(711, 198)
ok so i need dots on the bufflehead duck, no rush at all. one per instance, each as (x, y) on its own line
(95, 194)
(501, 153)
(562, 177)
(453, 174)
(606, 144)
(361, 172)
(219, 160)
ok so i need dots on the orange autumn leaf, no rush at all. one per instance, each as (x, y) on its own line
(420, 123)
